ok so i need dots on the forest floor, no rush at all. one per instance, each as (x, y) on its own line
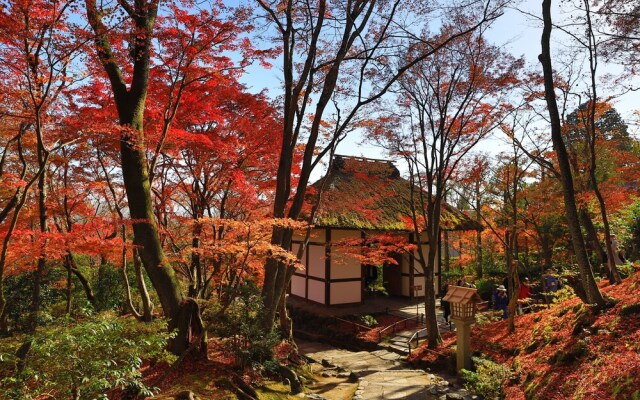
(567, 351)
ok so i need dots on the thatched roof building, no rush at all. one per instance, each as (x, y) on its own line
(362, 196)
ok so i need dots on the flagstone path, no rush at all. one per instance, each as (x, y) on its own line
(374, 375)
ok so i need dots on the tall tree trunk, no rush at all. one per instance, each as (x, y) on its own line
(130, 100)
(614, 276)
(21, 195)
(433, 203)
(591, 289)
(4, 322)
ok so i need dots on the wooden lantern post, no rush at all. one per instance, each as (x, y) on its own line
(463, 302)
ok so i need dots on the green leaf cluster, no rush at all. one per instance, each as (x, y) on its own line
(87, 359)
(487, 380)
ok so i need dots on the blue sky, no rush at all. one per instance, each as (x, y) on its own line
(515, 31)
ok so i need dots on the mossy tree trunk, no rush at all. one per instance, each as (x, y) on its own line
(130, 102)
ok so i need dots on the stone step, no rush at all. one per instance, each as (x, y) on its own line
(399, 348)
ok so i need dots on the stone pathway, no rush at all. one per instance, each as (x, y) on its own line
(379, 374)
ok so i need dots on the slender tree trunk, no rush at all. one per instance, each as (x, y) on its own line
(547, 252)
(86, 286)
(41, 268)
(147, 306)
(274, 287)
(592, 237)
(197, 276)
(447, 255)
(513, 281)
(431, 322)
(286, 325)
(614, 277)
(21, 194)
(478, 232)
(4, 322)
(429, 263)
(591, 289)
(68, 291)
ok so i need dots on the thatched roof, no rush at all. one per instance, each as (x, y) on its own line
(364, 193)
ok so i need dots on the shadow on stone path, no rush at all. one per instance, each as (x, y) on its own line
(379, 374)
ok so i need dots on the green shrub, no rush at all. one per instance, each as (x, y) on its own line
(485, 288)
(19, 293)
(86, 359)
(626, 269)
(109, 288)
(368, 320)
(487, 379)
(453, 273)
(565, 293)
(240, 325)
(487, 317)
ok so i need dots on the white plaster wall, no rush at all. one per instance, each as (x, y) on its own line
(317, 259)
(344, 265)
(419, 281)
(294, 249)
(316, 291)
(297, 286)
(346, 292)
(406, 264)
(418, 267)
(405, 286)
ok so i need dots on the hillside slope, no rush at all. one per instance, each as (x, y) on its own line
(566, 351)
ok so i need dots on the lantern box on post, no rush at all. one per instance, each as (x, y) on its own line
(463, 302)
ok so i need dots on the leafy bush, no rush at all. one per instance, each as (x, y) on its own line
(565, 293)
(626, 269)
(487, 379)
(19, 292)
(240, 325)
(453, 273)
(488, 317)
(485, 288)
(109, 288)
(87, 359)
(368, 320)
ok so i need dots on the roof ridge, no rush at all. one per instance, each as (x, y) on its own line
(358, 158)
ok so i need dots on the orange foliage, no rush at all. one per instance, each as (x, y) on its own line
(547, 352)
